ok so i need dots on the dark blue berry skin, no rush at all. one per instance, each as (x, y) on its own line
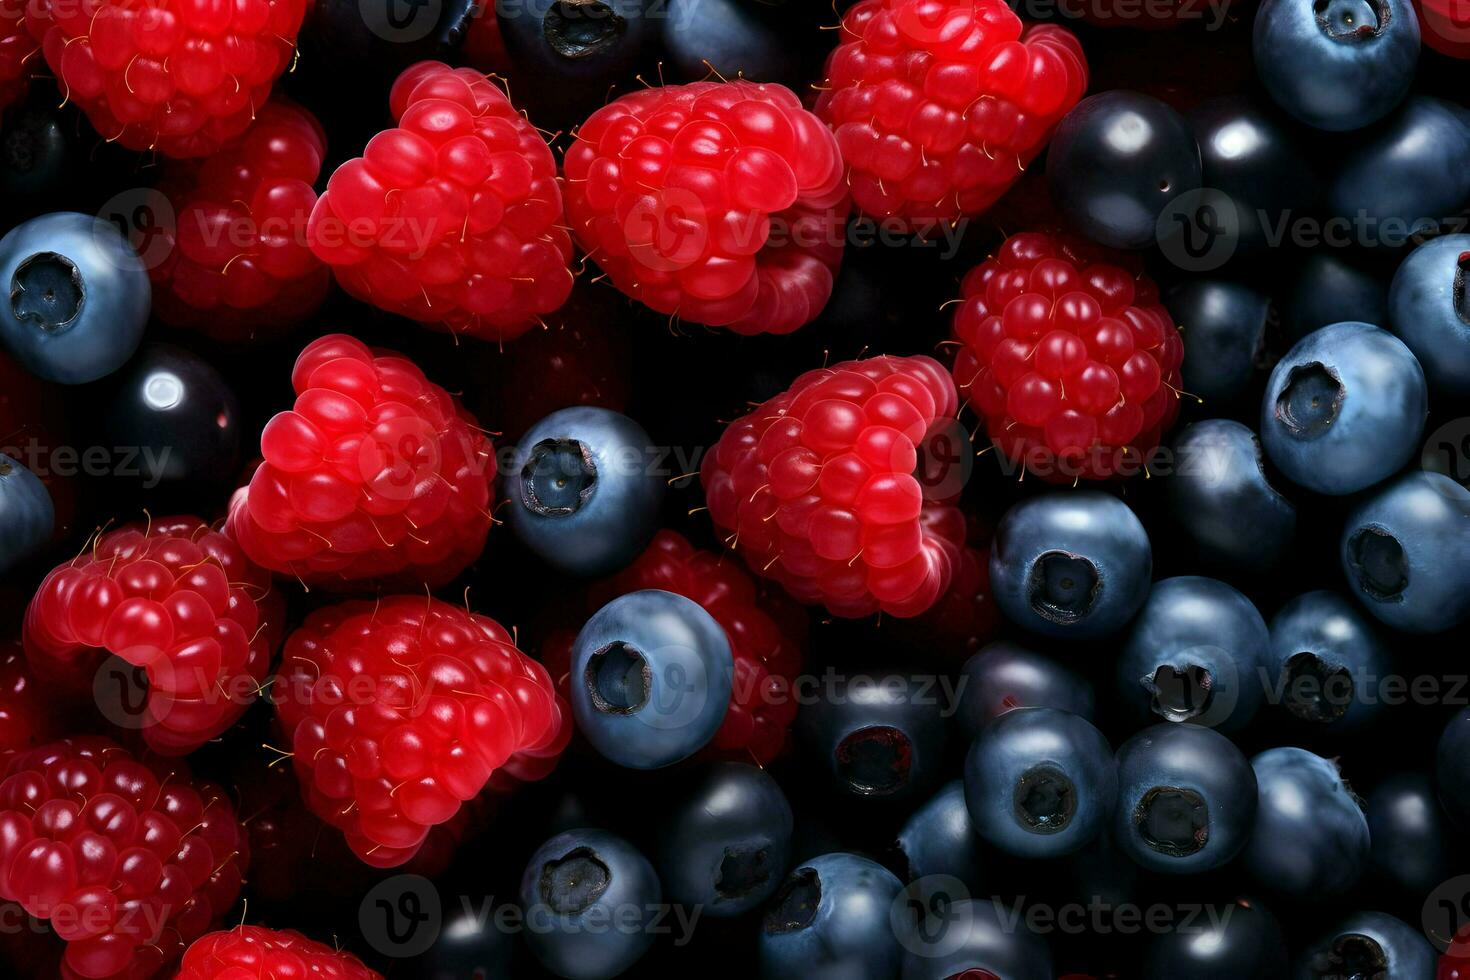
(1070, 564)
(1430, 311)
(1409, 833)
(585, 490)
(1452, 768)
(1368, 944)
(1040, 782)
(1194, 655)
(1328, 289)
(27, 517)
(1224, 326)
(1004, 675)
(762, 41)
(1116, 162)
(589, 898)
(939, 839)
(726, 843)
(38, 160)
(1311, 837)
(1229, 942)
(1326, 661)
(78, 297)
(1344, 409)
(651, 675)
(830, 917)
(1406, 553)
(1338, 64)
(977, 934)
(1186, 799)
(469, 945)
(1218, 486)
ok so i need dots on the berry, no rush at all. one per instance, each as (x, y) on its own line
(399, 710)
(17, 53)
(1311, 837)
(1431, 313)
(938, 842)
(256, 951)
(976, 939)
(1410, 835)
(128, 862)
(939, 105)
(1445, 26)
(236, 263)
(772, 42)
(27, 709)
(830, 917)
(1069, 357)
(1344, 409)
(451, 218)
(175, 599)
(376, 473)
(168, 76)
(469, 945)
(1325, 661)
(78, 297)
(27, 516)
(1368, 944)
(1004, 676)
(1226, 326)
(1329, 288)
(817, 487)
(719, 203)
(1242, 939)
(651, 677)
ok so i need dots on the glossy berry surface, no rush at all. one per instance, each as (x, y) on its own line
(376, 472)
(1326, 660)
(1368, 943)
(247, 950)
(1068, 356)
(1310, 837)
(1004, 676)
(1328, 288)
(831, 915)
(1225, 323)
(939, 105)
(972, 939)
(25, 721)
(1450, 767)
(17, 51)
(1242, 940)
(720, 203)
(1409, 834)
(1430, 312)
(27, 515)
(939, 841)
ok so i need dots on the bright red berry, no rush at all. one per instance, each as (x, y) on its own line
(236, 263)
(817, 487)
(128, 862)
(180, 78)
(719, 202)
(1069, 356)
(453, 218)
(399, 710)
(252, 952)
(376, 473)
(17, 52)
(179, 601)
(939, 105)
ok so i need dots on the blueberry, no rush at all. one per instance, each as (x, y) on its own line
(78, 297)
(1003, 676)
(1368, 945)
(585, 490)
(1186, 799)
(27, 517)
(1116, 162)
(1229, 942)
(1326, 660)
(1406, 553)
(1409, 834)
(726, 843)
(470, 944)
(1217, 486)
(1311, 837)
(762, 41)
(1194, 655)
(1431, 312)
(1336, 64)
(1344, 408)
(1327, 289)
(976, 939)
(879, 738)
(1074, 564)
(938, 841)
(1224, 326)
(651, 679)
(1040, 782)
(1452, 768)
(590, 900)
(38, 159)
(831, 917)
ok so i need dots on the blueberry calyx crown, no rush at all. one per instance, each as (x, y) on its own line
(1352, 20)
(1351, 954)
(575, 881)
(1378, 563)
(581, 28)
(795, 904)
(1315, 690)
(47, 290)
(619, 680)
(1310, 400)
(1062, 587)
(560, 476)
(1173, 820)
(1179, 694)
(875, 761)
(1044, 799)
(742, 871)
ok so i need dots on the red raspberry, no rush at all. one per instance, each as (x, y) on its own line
(398, 711)
(236, 262)
(252, 952)
(938, 105)
(180, 78)
(17, 49)
(453, 218)
(128, 862)
(719, 202)
(177, 600)
(1070, 358)
(28, 716)
(817, 488)
(376, 472)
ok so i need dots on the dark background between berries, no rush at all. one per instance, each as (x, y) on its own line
(682, 380)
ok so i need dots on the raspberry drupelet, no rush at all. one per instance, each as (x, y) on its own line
(174, 598)
(816, 487)
(254, 951)
(1068, 356)
(453, 218)
(237, 265)
(180, 78)
(720, 203)
(129, 863)
(376, 473)
(939, 105)
(399, 711)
